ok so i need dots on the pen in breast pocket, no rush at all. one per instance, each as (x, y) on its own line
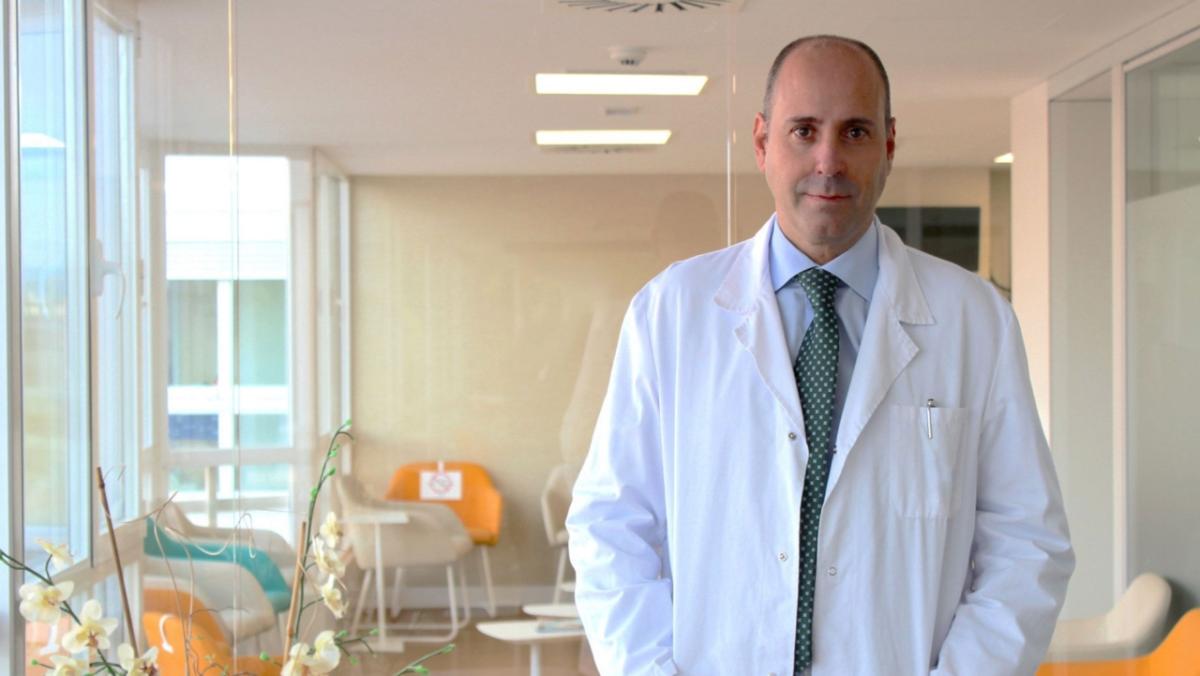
(929, 406)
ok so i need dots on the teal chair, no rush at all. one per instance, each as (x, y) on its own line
(160, 544)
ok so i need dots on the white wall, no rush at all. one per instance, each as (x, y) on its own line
(1031, 236)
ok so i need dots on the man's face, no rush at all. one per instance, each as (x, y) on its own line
(827, 149)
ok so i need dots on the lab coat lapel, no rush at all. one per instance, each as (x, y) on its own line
(886, 347)
(747, 291)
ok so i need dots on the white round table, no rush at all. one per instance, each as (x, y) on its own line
(533, 633)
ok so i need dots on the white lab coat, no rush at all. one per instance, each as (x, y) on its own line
(947, 555)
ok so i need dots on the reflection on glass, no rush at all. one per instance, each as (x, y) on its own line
(192, 323)
(54, 301)
(228, 273)
(1163, 328)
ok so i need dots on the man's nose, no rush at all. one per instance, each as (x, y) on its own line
(830, 160)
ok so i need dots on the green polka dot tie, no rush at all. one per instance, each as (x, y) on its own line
(816, 378)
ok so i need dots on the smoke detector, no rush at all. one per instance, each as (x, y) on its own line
(648, 8)
(630, 57)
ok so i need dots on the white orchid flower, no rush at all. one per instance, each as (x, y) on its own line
(68, 666)
(298, 665)
(331, 530)
(43, 603)
(92, 630)
(321, 658)
(327, 559)
(333, 597)
(289, 669)
(60, 556)
(146, 665)
(326, 653)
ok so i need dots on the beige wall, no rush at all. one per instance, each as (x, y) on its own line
(486, 311)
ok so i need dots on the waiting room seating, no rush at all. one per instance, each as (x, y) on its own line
(385, 534)
(1177, 655)
(1132, 627)
(207, 653)
(556, 500)
(172, 516)
(168, 601)
(246, 593)
(480, 509)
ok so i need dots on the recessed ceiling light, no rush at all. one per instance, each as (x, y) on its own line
(619, 84)
(1006, 158)
(602, 137)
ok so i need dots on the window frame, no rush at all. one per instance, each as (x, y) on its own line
(301, 314)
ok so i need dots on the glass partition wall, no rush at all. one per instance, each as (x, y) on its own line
(287, 211)
(1124, 152)
(1162, 195)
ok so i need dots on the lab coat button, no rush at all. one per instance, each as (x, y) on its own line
(832, 571)
(783, 556)
(792, 436)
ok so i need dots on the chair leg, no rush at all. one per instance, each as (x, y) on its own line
(362, 597)
(562, 572)
(396, 587)
(450, 584)
(466, 598)
(381, 608)
(487, 581)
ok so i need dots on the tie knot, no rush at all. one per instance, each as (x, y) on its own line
(819, 285)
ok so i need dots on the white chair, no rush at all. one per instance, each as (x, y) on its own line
(556, 501)
(386, 534)
(229, 590)
(282, 554)
(1133, 627)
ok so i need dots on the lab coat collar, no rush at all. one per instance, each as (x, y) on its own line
(748, 282)
(886, 346)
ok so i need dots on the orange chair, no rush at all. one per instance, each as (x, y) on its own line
(480, 509)
(170, 602)
(1177, 655)
(207, 652)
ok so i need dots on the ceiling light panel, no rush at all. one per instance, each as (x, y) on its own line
(625, 84)
(602, 137)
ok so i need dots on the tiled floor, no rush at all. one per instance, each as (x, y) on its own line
(478, 655)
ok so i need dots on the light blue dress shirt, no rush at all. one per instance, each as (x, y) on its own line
(858, 268)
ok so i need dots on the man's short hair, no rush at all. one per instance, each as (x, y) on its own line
(768, 96)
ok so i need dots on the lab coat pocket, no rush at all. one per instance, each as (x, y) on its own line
(923, 461)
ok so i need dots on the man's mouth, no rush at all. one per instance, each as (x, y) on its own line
(828, 198)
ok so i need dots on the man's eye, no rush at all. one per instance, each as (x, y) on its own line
(857, 133)
(803, 132)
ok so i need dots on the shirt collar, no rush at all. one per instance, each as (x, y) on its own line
(858, 267)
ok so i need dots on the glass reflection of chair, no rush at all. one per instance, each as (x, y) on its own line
(480, 509)
(273, 544)
(556, 500)
(384, 534)
(243, 586)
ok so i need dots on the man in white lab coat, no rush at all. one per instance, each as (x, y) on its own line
(933, 539)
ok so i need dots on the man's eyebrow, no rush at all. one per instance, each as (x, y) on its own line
(853, 121)
(859, 122)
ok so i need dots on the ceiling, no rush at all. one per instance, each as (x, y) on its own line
(446, 86)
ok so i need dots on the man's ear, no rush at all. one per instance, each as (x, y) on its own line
(760, 142)
(891, 139)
